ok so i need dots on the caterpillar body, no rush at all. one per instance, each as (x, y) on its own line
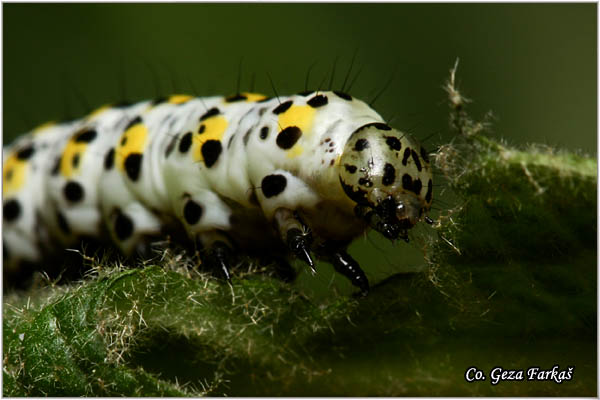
(297, 176)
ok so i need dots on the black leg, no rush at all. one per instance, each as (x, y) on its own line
(347, 266)
(295, 235)
(218, 256)
(284, 270)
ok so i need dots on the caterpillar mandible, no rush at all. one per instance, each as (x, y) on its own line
(299, 176)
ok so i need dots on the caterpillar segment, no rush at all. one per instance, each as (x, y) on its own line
(290, 177)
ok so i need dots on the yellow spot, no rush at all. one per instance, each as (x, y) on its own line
(251, 97)
(133, 140)
(179, 98)
(42, 128)
(98, 111)
(212, 128)
(13, 174)
(300, 116)
(295, 151)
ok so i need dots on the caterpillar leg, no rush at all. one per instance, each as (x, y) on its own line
(217, 252)
(347, 266)
(295, 235)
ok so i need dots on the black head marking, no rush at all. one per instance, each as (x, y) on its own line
(350, 168)
(365, 182)
(287, 138)
(407, 183)
(171, 145)
(192, 212)
(429, 191)
(361, 144)
(415, 158)
(283, 107)
(406, 156)
(389, 174)
(272, 185)
(133, 165)
(73, 191)
(393, 143)
(211, 150)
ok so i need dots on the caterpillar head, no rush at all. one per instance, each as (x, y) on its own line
(388, 175)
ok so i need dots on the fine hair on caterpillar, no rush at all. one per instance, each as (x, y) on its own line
(297, 176)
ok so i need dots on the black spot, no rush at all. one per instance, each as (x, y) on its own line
(73, 191)
(317, 101)
(287, 138)
(424, 154)
(283, 107)
(389, 174)
(210, 113)
(192, 212)
(393, 143)
(85, 136)
(350, 168)
(211, 150)
(343, 95)
(75, 160)
(109, 159)
(133, 165)
(406, 156)
(416, 160)
(429, 191)
(361, 144)
(56, 166)
(25, 153)
(264, 132)
(201, 129)
(407, 183)
(417, 186)
(62, 223)
(11, 210)
(124, 141)
(365, 182)
(185, 143)
(247, 136)
(306, 93)
(272, 185)
(123, 226)
(236, 97)
(359, 196)
(135, 121)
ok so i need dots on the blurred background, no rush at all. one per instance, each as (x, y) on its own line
(533, 65)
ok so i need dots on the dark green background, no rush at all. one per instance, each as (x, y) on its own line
(533, 65)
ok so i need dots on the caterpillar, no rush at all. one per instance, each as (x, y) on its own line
(298, 176)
